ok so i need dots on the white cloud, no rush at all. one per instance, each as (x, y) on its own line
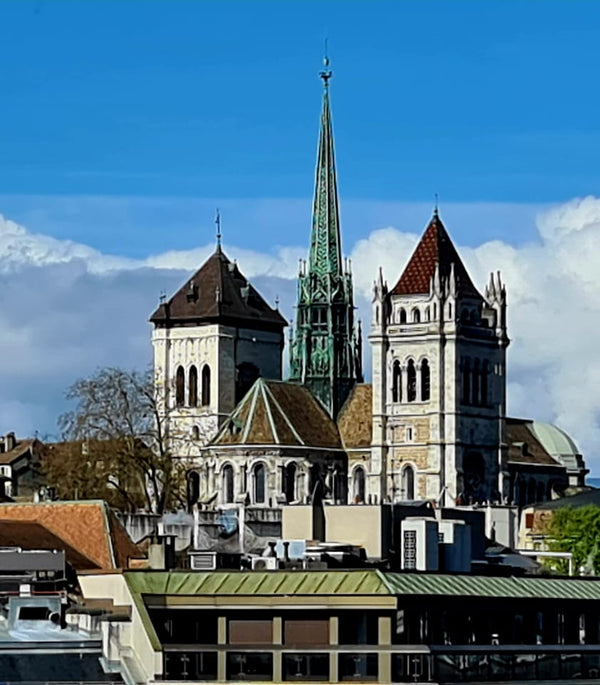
(67, 308)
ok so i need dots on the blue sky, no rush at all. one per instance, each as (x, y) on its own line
(477, 101)
(124, 124)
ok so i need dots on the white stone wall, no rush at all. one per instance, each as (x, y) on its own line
(433, 436)
(221, 349)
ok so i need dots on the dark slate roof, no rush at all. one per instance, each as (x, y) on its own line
(279, 413)
(218, 292)
(355, 420)
(21, 448)
(581, 499)
(523, 445)
(435, 247)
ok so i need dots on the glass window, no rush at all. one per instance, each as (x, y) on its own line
(249, 666)
(358, 666)
(306, 667)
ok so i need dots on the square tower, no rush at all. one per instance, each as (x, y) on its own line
(211, 341)
(439, 385)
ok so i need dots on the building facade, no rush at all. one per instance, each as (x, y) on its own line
(211, 341)
(439, 390)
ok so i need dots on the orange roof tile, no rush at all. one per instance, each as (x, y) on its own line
(87, 526)
(435, 247)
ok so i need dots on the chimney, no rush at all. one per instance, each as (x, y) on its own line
(10, 442)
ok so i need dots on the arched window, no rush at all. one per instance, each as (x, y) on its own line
(180, 386)
(476, 376)
(259, 484)
(289, 482)
(425, 380)
(407, 481)
(473, 477)
(228, 484)
(402, 315)
(485, 370)
(396, 382)
(206, 385)
(427, 314)
(466, 382)
(195, 433)
(193, 487)
(193, 387)
(416, 315)
(359, 485)
(411, 381)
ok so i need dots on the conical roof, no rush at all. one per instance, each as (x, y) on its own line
(218, 292)
(279, 413)
(435, 247)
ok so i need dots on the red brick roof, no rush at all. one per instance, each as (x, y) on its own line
(435, 247)
(218, 292)
(31, 535)
(88, 526)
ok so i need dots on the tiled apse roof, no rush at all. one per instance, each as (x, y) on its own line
(278, 413)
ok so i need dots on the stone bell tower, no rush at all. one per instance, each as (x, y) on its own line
(439, 384)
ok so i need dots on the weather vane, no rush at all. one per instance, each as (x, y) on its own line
(325, 73)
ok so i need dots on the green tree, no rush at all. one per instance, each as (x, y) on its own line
(576, 530)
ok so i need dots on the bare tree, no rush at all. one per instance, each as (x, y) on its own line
(124, 453)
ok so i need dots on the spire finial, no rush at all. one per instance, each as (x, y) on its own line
(436, 205)
(325, 73)
(218, 225)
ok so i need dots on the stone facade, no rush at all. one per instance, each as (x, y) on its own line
(217, 352)
(439, 390)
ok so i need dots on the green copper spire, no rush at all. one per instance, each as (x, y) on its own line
(326, 350)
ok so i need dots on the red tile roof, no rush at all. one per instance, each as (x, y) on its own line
(88, 526)
(435, 247)
(30, 535)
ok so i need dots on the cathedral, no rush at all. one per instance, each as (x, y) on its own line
(432, 425)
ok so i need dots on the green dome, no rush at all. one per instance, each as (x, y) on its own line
(558, 444)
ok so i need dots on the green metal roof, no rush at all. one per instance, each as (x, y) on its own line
(489, 586)
(260, 583)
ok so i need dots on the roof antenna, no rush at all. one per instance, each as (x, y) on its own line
(325, 73)
(218, 225)
(435, 207)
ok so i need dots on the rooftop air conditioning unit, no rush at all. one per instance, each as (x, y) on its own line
(203, 561)
(264, 564)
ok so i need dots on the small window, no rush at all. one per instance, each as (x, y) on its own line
(359, 485)
(427, 314)
(259, 484)
(228, 484)
(396, 382)
(206, 386)
(195, 433)
(408, 483)
(289, 482)
(193, 387)
(411, 381)
(416, 315)
(402, 315)
(408, 434)
(425, 381)
(319, 319)
(180, 386)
